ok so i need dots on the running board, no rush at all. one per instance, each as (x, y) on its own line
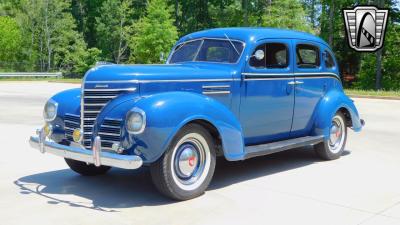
(265, 149)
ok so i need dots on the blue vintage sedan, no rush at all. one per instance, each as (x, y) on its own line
(231, 92)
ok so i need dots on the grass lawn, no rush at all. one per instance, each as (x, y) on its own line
(373, 93)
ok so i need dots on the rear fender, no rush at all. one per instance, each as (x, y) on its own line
(332, 102)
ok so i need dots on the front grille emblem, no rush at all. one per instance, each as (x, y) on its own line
(101, 86)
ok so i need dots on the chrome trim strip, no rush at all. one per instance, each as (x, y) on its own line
(107, 126)
(92, 111)
(111, 81)
(216, 92)
(191, 80)
(281, 78)
(216, 86)
(155, 81)
(290, 74)
(109, 134)
(109, 96)
(84, 155)
(108, 118)
(89, 118)
(69, 121)
(112, 89)
(73, 115)
(95, 104)
(268, 74)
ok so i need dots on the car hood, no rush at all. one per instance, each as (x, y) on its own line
(154, 73)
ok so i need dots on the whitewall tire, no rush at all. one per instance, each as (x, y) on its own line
(333, 146)
(186, 168)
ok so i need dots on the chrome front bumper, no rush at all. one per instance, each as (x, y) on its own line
(96, 156)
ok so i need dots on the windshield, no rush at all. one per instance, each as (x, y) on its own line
(208, 50)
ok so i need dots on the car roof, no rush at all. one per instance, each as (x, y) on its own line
(252, 34)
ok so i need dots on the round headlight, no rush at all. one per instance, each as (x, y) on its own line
(136, 121)
(50, 110)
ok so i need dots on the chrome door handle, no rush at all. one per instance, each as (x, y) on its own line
(295, 82)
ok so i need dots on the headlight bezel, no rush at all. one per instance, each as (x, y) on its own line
(45, 112)
(136, 111)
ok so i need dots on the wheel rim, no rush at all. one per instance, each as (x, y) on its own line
(190, 161)
(337, 134)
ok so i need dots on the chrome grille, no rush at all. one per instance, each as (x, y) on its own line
(71, 122)
(93, 102)
(110, 132)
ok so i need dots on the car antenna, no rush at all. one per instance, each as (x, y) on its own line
(232, 44)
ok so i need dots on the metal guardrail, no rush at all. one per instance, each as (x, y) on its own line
(30, 74)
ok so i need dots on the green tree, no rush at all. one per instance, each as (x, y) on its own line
(113, 29)
(154, 34)
(287, 14)
(10, 40)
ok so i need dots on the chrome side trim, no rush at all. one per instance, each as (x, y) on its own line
(159, 81)
(285, 78)
(112, 96)
(191, 80)
(216, 86)
(216, 92)
(111, 81)
(84, 155)
(107, 89)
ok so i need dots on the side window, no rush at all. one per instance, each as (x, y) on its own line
(307, 56)
(329, 62)
(276, 55)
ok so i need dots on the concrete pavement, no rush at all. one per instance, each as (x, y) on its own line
(294, 187)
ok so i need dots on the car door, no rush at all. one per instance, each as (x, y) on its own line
(267, 96)
(310, 85)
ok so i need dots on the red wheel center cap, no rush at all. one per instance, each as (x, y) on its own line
(192, 160)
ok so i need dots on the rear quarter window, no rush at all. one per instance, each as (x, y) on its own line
(307, 56)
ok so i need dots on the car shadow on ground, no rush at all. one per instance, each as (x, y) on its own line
(131, 188)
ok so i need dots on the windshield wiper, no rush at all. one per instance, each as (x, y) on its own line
(232, 44)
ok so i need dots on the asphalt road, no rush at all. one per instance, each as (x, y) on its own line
(294, 187)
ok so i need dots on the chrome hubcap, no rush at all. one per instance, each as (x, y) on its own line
(336, 137)
(188, 160)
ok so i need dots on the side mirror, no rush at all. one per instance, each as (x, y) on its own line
(162, 58)
(259, 54)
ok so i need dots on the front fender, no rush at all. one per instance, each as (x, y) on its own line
(333, 101)
(69, 101)
(167, 113)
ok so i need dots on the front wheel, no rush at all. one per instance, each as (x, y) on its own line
(186, 168)
(333, 147)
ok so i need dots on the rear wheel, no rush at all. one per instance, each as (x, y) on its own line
(186, 168)
(333, 147)
(86, 169)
